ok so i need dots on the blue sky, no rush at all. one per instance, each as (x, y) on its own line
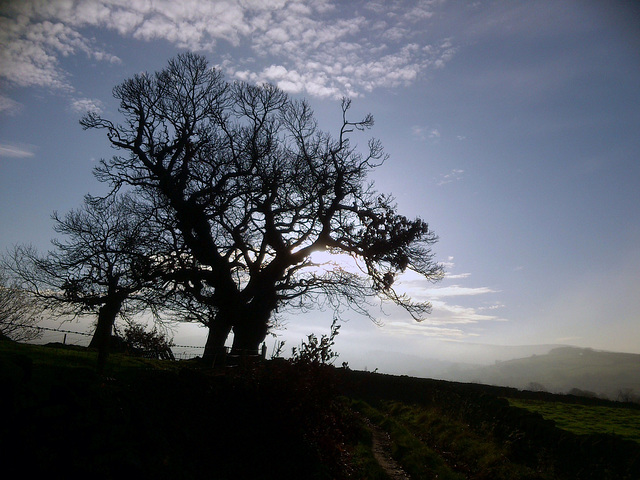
(512, 128)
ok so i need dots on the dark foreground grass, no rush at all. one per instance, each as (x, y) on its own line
(365, 464)
(475, 429)
(429, 444)
(476, 455)
(170, 420)
(416, 458)
(620, 420)
(57, 355)
(178, 420)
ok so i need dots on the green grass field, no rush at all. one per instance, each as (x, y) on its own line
(586, 419)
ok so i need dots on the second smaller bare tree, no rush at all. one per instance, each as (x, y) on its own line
(19, 311)
(105, 266)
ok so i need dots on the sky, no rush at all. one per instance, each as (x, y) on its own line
(512, 128)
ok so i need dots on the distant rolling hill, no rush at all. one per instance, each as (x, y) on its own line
(563, 369)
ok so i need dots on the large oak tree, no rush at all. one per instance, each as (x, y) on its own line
(246, 187)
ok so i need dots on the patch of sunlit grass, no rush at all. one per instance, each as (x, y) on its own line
(586, 419)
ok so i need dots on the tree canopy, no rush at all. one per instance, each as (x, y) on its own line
(242, 187)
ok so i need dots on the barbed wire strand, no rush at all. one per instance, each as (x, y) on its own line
(77, 333)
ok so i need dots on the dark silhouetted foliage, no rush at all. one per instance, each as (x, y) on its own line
(150, 344)
(317, 351)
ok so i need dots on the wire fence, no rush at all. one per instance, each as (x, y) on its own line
(75, 338)
(60, 336)
(76, 346)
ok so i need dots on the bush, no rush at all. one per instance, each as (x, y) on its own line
(137, 341)
(314, 351)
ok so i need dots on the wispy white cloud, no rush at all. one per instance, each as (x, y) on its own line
(449, 263)
(455, 291)
(324, 52)
(413, 329)
(86, 105)
(448, 318)
(450, 321)
(453, 176)
(446, 321)
(418, 11)
(495, 306)
(26, 56)
(425, 133)
(16, 151)
(456, 276)
(33, 37)
(447, 314)
(9, 106)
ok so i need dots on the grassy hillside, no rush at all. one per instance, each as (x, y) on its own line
(566, 368)
(163, 419)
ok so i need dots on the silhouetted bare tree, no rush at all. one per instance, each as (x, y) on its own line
(19, 312)
(247, 188)
(105, 265)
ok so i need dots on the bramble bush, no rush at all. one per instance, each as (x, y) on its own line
(317, 351)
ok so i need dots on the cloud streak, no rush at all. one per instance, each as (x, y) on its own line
(9, 106)
(421, 329)
(15, 151)
(448, 318)
(446, 321)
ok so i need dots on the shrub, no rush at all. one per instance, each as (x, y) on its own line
(138, 341)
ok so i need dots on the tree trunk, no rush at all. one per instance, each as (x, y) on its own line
(214, 350)
(102, 336)
(249, 332)
(252, 322)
